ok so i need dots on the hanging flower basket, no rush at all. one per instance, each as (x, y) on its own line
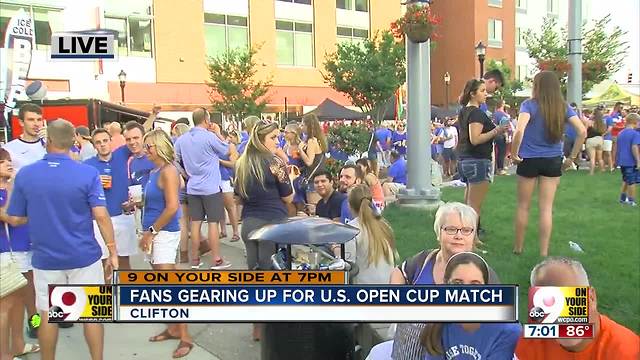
(418, 24)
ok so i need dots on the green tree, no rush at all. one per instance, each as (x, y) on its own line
(234, 89)
(508, 90)
(603, 50)
(369, 74)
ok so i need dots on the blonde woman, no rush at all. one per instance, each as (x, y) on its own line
(375, 251)
(371, 179)
(292, 148)
(161, 214)
(595, 141)
(264, 188)
(312, 154)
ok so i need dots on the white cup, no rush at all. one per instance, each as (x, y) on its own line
(135, 193)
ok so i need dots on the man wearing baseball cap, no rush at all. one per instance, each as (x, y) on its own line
(83, 138)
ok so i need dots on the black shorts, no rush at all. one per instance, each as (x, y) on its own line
(449, 154)
(209, 207)
(534, 167)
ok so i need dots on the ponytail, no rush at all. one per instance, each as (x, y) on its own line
(470, 89)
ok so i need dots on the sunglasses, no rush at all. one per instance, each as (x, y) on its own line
(148, 146)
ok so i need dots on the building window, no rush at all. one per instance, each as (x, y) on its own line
(225, 32)
(306, 2)
(134, 34)
(552, 7)
(520, 37)
(294, 43)
(521, 5)
(347, 34)
(42, 16)
(495, 33)
(496, 3)
(521, 72)
(357, 5)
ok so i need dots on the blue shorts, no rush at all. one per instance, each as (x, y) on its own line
(475, 170)
(630, 175)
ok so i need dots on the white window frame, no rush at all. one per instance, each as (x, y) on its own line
(521, 5)
(520, 43)
(31, 7)
(128, 28)
(495, 42)
(297, 2)
(313, 43)
(553, 7)
(353, 6)
(226, 26)
(352, 37)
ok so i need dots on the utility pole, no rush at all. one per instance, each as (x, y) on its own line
(574, 44)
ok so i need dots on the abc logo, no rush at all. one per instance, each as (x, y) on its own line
(546, 304)
(56, 313)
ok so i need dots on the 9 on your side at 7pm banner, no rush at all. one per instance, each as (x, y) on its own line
(178, 277)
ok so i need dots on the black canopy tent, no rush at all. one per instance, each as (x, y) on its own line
(330, 110)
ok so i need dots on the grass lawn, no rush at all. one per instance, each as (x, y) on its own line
(586, 212)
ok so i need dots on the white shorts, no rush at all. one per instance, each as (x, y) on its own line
(607, 145)
(124, 232)
(21, 258)
(226, 186)
(165, 247)
(92, 274)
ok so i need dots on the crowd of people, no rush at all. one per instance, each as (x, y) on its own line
(123, 190)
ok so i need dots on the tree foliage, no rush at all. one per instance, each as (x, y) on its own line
(234, 89)
(369, 74)
(353, 140)
(603, 50)
(508, 90)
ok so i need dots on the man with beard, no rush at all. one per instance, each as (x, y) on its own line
(350, 176)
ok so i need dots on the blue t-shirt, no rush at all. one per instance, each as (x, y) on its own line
(534, 142)
(499, 116)
(57, 195)
(116, 167)
(490, 341)
(138, 169)
(398, 171)
(383, 135)
(226, 173)
(154, 205)
(624, 153)
(19, 238)
(400, 142)
(242, 145)
(345, 211)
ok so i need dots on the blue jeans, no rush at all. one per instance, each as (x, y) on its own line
(475, 170)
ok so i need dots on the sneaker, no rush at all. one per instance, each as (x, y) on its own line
(196, 264)
(32, 326)
(632, 203)
(221, 264)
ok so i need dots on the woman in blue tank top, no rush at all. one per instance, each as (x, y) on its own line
(160, 221)
(455, 228)
(227, 173)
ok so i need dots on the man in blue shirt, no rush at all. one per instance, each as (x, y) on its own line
(628, 158)
(350, 176)
(397, 175)
(139, 166)
(112, 168)
(383, 144)
(199, 151)
(60, 197)
(493, 81)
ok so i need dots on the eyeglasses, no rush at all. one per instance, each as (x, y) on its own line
(452, 230)
(148, 146)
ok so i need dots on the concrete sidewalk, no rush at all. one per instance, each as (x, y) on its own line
(131, 341)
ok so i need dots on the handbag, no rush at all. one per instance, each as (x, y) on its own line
(11, 279)
(304, 181)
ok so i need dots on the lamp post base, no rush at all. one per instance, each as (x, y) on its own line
(428, 199)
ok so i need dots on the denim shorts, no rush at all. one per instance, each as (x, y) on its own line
(630, 175)
(475, 170)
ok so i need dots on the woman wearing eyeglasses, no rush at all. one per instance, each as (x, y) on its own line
(160, 219)
(455, 226)
(486, 341)
(264, 188)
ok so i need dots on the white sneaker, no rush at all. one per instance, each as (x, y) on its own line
(221, 265)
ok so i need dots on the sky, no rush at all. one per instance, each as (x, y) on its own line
(626, 12)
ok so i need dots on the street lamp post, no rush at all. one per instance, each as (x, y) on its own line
(447, 81)
(481, 51)
(122, 76)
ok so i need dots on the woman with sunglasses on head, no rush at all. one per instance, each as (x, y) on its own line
(313, 150)
(264, 188)
(487, 341)
(160, 219)
(399, 139)
(537, 149)
(455, 227)
(292, 148)
(475, 144)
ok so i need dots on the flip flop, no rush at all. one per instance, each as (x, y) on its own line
(163, 336)
(29, 349)
(235, 238)
(182, 345)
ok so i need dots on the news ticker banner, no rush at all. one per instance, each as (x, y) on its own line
(558, 312)
(300, 303)
(230, 277)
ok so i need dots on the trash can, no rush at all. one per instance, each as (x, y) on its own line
(299, 340)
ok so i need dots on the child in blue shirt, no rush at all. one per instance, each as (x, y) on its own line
(469, 341)
(628, 158)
